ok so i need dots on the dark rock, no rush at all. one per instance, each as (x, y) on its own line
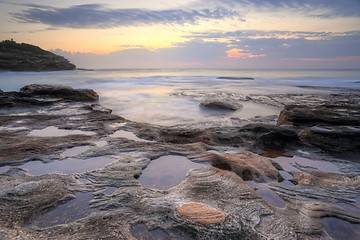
(333, 128)
(59, 91)
(99, 108)
(180, 135)
(337, 139)
(321, 114)
(236, 78)
(15, 99)
(257, 136)
(26, 57)
(226, 103)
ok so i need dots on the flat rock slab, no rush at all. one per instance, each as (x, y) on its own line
(60, 92)
(197, 212)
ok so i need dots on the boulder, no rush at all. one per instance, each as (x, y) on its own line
(322, 114)
(249, 166)
(59, 91)
(226, 103)
(336, 139)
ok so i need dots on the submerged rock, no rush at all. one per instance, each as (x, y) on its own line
(236, 78)
(59, 92)
(229, 104)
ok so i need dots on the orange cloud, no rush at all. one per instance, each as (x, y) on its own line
(240, 53)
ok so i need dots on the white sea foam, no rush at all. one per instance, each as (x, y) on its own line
(172, 96)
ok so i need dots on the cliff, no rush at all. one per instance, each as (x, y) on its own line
(26, 57)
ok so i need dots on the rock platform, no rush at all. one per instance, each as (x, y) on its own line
(221, 200)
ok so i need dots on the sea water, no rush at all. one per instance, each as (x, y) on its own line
(171, 96)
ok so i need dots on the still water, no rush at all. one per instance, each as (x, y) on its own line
(166, 172)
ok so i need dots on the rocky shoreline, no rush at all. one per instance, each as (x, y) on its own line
(70, 169)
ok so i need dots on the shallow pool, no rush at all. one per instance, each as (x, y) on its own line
(166, 172)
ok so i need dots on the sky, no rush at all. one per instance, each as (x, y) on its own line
(190, 33)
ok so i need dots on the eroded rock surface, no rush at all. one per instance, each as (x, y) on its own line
(216, 201)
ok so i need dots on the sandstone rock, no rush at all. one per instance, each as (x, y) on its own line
(21, 196)
(226, 103)
(197, 212)
(245, 210)
(249, 166)
(59, 92)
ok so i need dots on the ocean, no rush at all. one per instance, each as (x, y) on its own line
(171, 97)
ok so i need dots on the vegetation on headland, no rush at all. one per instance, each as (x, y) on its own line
(26, 57)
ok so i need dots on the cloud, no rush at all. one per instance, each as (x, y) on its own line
(258, 34)
(274, 48)
(190, 54)
(317, 8)
(338, 52)
(240, 53)
(98, 16)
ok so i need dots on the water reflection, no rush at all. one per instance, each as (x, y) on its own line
(110, 190)
(128, 135)
(68, 212)
(101, 143)
(263, 190)
(299, 163)
(67, 166)
(56, 132)
(75, 151)
(4, 169)
(340, 229)
(166, 172)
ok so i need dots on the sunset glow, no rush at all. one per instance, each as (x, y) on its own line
(174, 33)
